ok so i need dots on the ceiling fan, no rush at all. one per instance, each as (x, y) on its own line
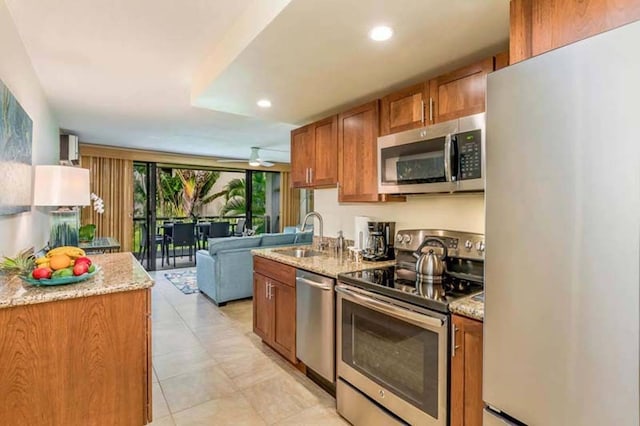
(254, 159)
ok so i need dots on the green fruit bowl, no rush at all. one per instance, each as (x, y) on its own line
(62, 280)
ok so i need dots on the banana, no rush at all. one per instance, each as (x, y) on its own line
(43, 259)
(72, 252)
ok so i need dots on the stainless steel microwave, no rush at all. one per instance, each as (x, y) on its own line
(445, 157)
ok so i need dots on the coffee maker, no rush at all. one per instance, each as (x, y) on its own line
(379, 245)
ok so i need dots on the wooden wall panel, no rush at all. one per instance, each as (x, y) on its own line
(112, 180)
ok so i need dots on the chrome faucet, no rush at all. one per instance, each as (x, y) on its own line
(322, 244)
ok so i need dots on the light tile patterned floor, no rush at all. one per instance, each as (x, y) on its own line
(210, 369)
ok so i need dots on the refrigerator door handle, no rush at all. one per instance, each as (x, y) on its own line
(492, 417)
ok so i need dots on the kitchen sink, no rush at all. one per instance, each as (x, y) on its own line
(299, 252)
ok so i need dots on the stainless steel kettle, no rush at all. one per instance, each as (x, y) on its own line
(429, 265)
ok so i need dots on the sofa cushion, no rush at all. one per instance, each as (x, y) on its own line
(229, 243)
(277, 239)
(303, 237)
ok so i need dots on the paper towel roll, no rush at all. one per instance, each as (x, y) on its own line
(361, 234)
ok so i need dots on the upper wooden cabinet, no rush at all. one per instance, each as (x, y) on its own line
(314, 154)
(537, 26)
(357, 141)
(459, 93)
(404, 109)
(466, 373)
(500, 61)
(302, 156)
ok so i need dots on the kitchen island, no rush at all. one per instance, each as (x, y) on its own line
(78, 353)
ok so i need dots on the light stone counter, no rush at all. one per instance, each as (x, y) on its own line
(324, 264)
(468, 307)
(119, 272)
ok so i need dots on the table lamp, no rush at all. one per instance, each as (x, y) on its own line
(65, 187)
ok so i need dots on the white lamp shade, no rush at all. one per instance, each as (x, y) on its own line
(61, 186)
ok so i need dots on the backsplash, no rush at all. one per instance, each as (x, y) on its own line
(461, 212)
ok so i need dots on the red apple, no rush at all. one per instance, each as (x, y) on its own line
(80, 268)
(83, 259)
(40, 273)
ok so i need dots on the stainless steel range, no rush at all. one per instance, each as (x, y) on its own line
(393, 328)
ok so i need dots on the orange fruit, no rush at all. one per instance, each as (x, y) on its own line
(59, 261)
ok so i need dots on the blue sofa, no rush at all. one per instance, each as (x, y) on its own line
(225, 271)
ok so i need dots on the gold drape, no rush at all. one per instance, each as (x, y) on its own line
(289, 202)
(111, 180)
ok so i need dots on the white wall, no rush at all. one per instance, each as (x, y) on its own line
(31, 228)
(461, 212)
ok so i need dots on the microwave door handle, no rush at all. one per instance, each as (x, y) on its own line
(447, 158)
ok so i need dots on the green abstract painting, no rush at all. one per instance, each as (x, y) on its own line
(16, 129)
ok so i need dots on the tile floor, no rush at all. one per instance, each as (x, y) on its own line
(210, 369)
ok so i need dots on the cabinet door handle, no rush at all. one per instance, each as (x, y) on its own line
(266, 290)
(306, 177)
(422, 111)
(310, 175)
(454, 330)
(430, 110)
(270, 291)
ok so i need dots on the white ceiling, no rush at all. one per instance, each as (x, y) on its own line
(129, 72)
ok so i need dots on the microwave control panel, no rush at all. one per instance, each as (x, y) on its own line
(470, 151)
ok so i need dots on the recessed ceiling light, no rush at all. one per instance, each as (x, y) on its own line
(264, 103)
(380, 33)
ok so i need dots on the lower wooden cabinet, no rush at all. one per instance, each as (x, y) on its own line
(466, 373)
(274, 306)
(77, 362)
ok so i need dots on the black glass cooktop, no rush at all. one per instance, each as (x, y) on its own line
(404, 284)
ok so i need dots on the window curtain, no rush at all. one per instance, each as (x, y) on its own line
(289, 202)
(111, 180)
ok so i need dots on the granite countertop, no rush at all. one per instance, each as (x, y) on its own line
(469, 307)
(119, 272)
(325, 264)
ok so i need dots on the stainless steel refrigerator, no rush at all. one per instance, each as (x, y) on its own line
(562, 271)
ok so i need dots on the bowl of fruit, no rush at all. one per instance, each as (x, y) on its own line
(61, 265)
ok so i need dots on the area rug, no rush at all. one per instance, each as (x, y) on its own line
(184, 280)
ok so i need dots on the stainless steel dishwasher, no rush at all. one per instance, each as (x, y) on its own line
(315, 323)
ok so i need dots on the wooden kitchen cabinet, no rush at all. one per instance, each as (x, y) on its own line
(537, 26)
(357, 141)
(274, 306)
(466, 373)
(302, 156)
(501, 60)
(459, 93)
(314, 154)
(404, 110)
(77, 361)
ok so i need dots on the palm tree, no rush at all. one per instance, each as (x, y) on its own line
(196, 185)
(169, 194)
(236, 203)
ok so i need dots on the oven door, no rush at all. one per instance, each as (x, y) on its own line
(395, 353)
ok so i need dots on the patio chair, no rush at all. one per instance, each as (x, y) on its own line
(220, 229)
(183, 235)
(238, 232)
(142, 250)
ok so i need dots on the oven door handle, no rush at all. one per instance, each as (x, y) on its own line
(394, 311)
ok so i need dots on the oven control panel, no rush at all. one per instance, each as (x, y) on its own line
(459, 244)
